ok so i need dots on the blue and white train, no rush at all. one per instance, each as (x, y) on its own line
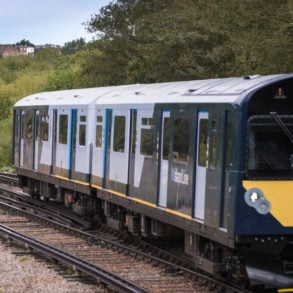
(210, 161)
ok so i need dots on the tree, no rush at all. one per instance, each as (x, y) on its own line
(25, 42)
(261, 33)
(73, 46)
(149, 41)
(117, 44)
(179, 46)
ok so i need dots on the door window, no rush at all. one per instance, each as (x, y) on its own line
(82, 130)
(119, 134)
(63, 128)
(203, 143)
(181, 140)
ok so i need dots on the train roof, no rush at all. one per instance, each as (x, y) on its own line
(221, 90)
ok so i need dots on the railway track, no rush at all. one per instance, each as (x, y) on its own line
(134, 266)
(8, 178)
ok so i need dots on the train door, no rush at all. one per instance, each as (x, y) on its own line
(143, 162)
(27, 140)
(215, 200)
(201, 165)
(179, 195)
(63, 146)
(118, 151)
(99, 149)
(164, 158)
(21, 141)
(54, 141)
(16, 137)
(45, 141)
(81, 151)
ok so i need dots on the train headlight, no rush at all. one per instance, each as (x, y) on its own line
(263, 206)
(254, 197)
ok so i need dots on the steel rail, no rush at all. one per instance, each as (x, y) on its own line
(94, 271)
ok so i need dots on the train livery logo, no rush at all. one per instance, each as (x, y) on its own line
(179, 176)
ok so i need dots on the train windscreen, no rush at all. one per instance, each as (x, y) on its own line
(270, 147)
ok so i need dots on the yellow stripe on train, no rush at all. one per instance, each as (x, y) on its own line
(279, 194)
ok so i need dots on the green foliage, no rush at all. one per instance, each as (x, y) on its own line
(47, 55)
(19, 77)
(5, 107)
(151, 41)
(74, 46)
(5, 142)
(62, 79)
(25, 42)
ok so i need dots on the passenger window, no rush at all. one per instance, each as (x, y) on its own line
(213, 162)
(147, 136)
(181, 140)
(99, 128)
(63, 126)
(82, 130)
(203, 139)
(44, 128)
(119, 134)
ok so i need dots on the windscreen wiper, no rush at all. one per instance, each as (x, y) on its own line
(283, 126)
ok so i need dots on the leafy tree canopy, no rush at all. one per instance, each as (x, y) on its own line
(25, 42)
(74, 46)
(150, 41)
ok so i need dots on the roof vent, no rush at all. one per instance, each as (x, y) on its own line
(252, 76)
(192, 90)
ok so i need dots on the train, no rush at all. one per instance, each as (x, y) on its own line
(208, 161)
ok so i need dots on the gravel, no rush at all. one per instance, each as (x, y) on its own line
(25, 273)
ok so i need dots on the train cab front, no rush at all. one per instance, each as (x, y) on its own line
(265, 210)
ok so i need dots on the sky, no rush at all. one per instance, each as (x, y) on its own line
(46, 21)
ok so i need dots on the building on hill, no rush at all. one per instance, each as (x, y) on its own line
(13, 50)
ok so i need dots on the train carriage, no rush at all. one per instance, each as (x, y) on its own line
(209, 160)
